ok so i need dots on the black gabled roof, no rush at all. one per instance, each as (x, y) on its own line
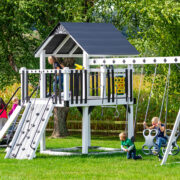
(94, 38)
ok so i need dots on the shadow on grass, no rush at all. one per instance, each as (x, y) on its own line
(139, 138)
(82, 156)
(95, 156)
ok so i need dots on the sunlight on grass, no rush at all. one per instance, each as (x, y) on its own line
(88, 167)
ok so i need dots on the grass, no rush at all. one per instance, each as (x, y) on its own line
(88, 167)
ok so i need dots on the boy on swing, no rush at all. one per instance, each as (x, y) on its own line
(128, 146)
(160, 139)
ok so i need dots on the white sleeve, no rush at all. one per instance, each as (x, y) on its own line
(131, 147)
(122, 147)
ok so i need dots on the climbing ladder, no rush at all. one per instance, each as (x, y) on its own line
(30, 129)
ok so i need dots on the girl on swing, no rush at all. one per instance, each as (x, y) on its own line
(160, 139)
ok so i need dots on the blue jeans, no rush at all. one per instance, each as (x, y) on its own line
(159, 142)
(54, 85)
(132, 155)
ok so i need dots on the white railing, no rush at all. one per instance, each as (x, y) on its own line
(100, 81)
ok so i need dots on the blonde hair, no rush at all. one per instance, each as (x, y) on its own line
(53, 58)
(15, 98)
(122, 135)
(155, 119)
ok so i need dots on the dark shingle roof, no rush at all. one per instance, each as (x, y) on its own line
(94, 38)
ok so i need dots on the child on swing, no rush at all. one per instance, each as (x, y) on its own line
(160, 139)
(128, 146)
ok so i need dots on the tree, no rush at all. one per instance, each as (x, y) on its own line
(153, 27)
(60, 113)
(24, 25)
(16, 42)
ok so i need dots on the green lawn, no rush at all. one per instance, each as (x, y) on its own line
(88, 167)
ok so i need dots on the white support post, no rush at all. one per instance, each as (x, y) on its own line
(25, 85)
(85, 130)
(42, 67)
(130, 114)
(103, 81)
(86, 66)
(130, 122)
(43, 142)
(86, 141)
(42, 93)
(89, 130)
(22, 71)
(171, 138)
(66, 86)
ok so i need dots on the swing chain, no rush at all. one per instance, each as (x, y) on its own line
(139, 91)
(165, 91)
(169, 73)
(155, 71)
(116, 113)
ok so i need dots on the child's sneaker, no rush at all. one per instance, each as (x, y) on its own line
(160, 158)
(154, 151)
(140, 157)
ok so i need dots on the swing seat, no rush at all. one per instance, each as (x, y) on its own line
(150, 147)
(174, 148)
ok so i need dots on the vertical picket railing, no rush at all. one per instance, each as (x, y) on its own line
(71, 85)
(94, 83)
(76, 86)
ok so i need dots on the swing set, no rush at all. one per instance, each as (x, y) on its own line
(150, 147)
(98, 45)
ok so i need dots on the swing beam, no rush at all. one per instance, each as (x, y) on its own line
(134, 60)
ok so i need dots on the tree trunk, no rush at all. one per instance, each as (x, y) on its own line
(12, 63)
(60, 116)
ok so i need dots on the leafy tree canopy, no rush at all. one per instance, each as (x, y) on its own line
(153, 27)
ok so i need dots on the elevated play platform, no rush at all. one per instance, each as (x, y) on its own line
(93, 87)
